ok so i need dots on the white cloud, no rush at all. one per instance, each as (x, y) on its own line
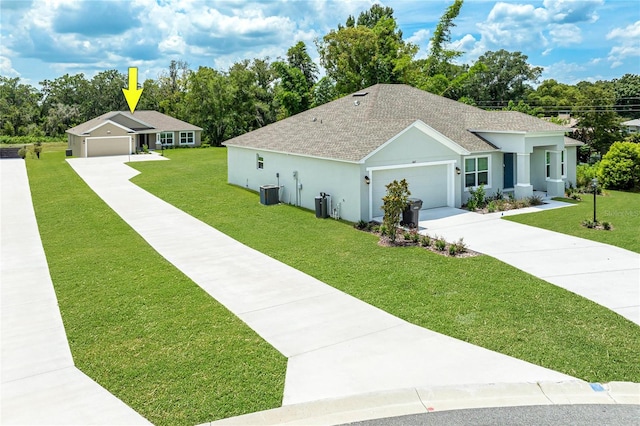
(565, 34)
(420, 37)
(562, 71)
(628, 46)
(572, 11)
(6, 67)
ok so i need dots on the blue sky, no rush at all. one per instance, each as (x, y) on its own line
(44, 39)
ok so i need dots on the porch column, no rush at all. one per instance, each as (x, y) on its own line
(523, 187)
(555, 184)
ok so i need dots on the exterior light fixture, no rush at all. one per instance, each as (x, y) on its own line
(458, 171)
(367, 180)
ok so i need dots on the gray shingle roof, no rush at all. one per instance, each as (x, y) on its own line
(150, 122)
(342, 130)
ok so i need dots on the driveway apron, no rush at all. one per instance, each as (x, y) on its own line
(602, 273)
(336, 345)
(40, 384)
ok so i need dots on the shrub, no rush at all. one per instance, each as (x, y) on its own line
(22, 152)
(453, 250)
(440, 244)
(491, 207)
(393, 203)
(471, 204)
(606, 226)
(361, 224)
(406, 235)
(620, 167)
(585, 174)
(461, 247)
(535, 200)
(414, 236)
(589, 223)
(425, 241)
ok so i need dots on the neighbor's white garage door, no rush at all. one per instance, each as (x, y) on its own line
(108, 145)
(429, 183)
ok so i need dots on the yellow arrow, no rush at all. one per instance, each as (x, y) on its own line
(132, 94)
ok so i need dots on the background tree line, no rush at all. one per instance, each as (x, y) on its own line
(363, 51)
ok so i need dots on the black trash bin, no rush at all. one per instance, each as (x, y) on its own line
(322, 206)
(269, 195)
(411, 214)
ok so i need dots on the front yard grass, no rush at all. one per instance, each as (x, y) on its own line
(136, 324)
(621, 209)
(479, 300)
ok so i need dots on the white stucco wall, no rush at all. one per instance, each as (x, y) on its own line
(343, 181)
(428, 182)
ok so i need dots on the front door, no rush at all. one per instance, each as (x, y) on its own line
(142, 140)
(508, 170)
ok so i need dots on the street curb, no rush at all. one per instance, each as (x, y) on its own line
(440, 398)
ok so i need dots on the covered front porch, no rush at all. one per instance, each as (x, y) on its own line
(542, 170)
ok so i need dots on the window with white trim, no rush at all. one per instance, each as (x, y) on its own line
(166, 138)
(259, 161)
(563, 165)
(476, 172)
(187, 138)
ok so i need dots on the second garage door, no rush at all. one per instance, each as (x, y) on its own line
(429, 183)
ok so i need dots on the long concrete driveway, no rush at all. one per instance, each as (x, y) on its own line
(602, 273)
(40, 384)
(336, 345)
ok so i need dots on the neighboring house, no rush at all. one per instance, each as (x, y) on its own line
(121, 133)
(632, 126)
(352, 147)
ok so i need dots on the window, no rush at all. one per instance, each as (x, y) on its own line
(166, 138)
(186, 138)
(259, 161)
(476, 172)
(563, 166)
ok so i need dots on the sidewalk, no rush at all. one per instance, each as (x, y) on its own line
(40, 384)
(602, 273)
(337, 346)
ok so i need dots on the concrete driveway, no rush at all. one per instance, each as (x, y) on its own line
(336, 345)
(602, 273)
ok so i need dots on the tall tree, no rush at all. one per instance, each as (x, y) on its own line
(292, 93)
(440, 57)
(105, 93)
(324, 91)
(173, 87)
(627, 92)
(505, 77)
(209, 103)
(67, 90)
(298, 57)
(362, 55)
(19, 108)
(598, 123)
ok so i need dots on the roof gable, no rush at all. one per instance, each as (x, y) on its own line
(353, 127)
(103, 123)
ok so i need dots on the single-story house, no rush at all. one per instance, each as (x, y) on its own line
(352, 147)
(121, 133)
(632, 126)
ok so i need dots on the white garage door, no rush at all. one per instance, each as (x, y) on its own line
(428, 183)
(108, 145)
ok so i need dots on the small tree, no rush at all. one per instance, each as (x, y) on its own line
(393, 204)
(620, 166)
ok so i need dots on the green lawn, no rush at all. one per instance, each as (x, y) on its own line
(136, 324)
(480, 300)
(621, 209)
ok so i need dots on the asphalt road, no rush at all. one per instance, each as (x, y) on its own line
(560, 415)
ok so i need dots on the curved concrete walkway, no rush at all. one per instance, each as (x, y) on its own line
(336, 345)
(40, 384)
(602, 273)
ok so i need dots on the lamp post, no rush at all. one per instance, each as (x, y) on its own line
(594, 183)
